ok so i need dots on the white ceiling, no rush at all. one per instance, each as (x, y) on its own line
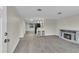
(49, 12)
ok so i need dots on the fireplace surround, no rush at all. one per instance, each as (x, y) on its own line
(67, 36)
(70, 35)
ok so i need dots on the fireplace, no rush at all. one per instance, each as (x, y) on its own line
(67, 36)
(70, 35)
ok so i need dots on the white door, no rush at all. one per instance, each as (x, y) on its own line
(3, 18)
(10, 29)
(14, 27)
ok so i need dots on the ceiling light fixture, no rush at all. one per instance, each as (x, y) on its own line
(39, 9)
(59, 13)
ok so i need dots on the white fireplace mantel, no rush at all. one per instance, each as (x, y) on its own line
(72, 34)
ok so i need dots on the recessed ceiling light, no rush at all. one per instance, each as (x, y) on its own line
(39, 9)
(59, 13)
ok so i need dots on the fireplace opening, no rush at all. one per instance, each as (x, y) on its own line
(67, 36)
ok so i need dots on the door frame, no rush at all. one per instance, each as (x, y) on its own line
(4, 28)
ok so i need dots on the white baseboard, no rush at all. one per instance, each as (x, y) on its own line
(14, 46)
(21, 36)
(17, 43)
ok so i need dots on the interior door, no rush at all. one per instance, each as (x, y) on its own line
(3, 18)
(13, 28)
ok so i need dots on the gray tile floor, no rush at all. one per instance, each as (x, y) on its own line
(48, 44)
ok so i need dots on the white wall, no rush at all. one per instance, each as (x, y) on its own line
(16, 28)
(28, 28)
(70, 23)
(22, 28)
(53, 27)
(50, 27)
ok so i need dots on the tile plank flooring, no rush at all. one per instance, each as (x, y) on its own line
(48, 44)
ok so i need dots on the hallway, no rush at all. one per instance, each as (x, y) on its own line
(48, 44)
